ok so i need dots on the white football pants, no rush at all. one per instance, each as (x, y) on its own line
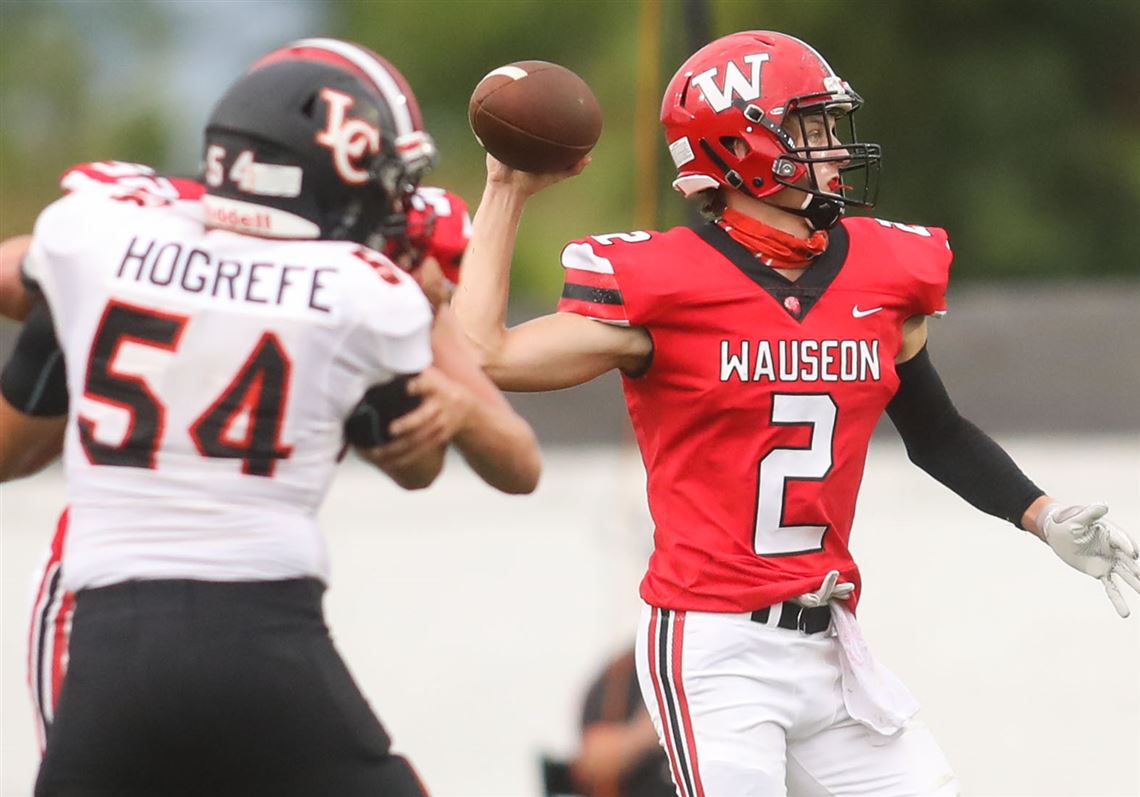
(745, 709)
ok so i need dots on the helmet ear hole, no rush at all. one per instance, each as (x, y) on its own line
(736, 145)
(310, 107)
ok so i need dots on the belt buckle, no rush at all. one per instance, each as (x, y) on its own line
(808, 615)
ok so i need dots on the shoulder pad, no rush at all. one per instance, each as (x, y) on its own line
(118, 176)
(390, 316)
(621, 278)
(380, 265)
(592, 283)
(915, 237)
(597, 253)
(919, 257)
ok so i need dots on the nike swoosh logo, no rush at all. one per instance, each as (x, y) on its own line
(857, 313)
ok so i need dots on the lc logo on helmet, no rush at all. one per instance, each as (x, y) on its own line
(349, 140)
(747, 88)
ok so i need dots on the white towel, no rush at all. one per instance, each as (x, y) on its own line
(874, 696)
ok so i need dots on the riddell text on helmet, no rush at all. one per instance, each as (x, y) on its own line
(231, 217)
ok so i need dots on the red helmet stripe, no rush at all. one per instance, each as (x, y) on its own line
(366, 65)
(295, 53)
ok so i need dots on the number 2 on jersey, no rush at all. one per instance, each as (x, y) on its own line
(781, 465)
(257, 392)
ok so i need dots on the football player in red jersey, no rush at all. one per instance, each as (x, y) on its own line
(200, 662)
(757, 353)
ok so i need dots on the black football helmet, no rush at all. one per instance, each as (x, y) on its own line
(322, 139)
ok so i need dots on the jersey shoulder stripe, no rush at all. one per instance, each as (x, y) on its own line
(580, 256)
(118, 176)
(591, 288)
(631, 278)
(597, 269)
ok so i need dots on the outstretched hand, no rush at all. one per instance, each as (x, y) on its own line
(529, 183)
(1086, 541)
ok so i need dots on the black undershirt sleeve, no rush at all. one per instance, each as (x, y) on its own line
(34, 380)
(951, 449)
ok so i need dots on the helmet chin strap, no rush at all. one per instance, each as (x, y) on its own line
(821, 213)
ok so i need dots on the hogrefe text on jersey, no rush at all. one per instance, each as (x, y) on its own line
(800, 361)
(190, 269)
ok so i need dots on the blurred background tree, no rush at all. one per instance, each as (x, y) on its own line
(63, 100)
(1013, 123)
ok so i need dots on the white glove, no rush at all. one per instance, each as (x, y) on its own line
(827, 591)
(1094, 546)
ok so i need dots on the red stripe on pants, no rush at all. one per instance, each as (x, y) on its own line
(62, 624)
(662, 711)
(683, 703)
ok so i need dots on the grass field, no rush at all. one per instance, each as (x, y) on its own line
(473, 621)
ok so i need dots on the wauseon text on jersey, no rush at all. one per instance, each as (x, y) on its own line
(800, 361)
(189, 269)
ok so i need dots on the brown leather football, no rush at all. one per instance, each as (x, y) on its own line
(535, 116)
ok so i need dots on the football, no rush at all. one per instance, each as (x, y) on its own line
(535, 116)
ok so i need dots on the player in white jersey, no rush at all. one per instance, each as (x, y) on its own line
(438, 229)
(214, 350)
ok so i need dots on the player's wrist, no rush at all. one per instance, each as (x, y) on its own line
(1033, 520)
(502, 199)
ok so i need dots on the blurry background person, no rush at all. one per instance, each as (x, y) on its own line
(619, 754)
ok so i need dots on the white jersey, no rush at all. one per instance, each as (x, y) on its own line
(209, 374)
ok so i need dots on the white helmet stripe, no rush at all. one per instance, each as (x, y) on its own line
(364, 61)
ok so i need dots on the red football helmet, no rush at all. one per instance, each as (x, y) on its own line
(439, 226)
(746, 87)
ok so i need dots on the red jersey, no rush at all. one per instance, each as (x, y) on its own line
(755, 415)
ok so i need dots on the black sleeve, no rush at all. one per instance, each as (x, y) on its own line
(367, 426)
(34, 380)
(951, 449)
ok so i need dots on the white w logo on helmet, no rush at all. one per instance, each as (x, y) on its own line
(748, 89)
(349, 140)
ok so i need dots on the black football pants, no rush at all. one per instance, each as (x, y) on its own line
(208, 689)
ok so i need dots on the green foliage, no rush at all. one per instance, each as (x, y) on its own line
(53, 113)
(1015, 124)
(445, 48)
